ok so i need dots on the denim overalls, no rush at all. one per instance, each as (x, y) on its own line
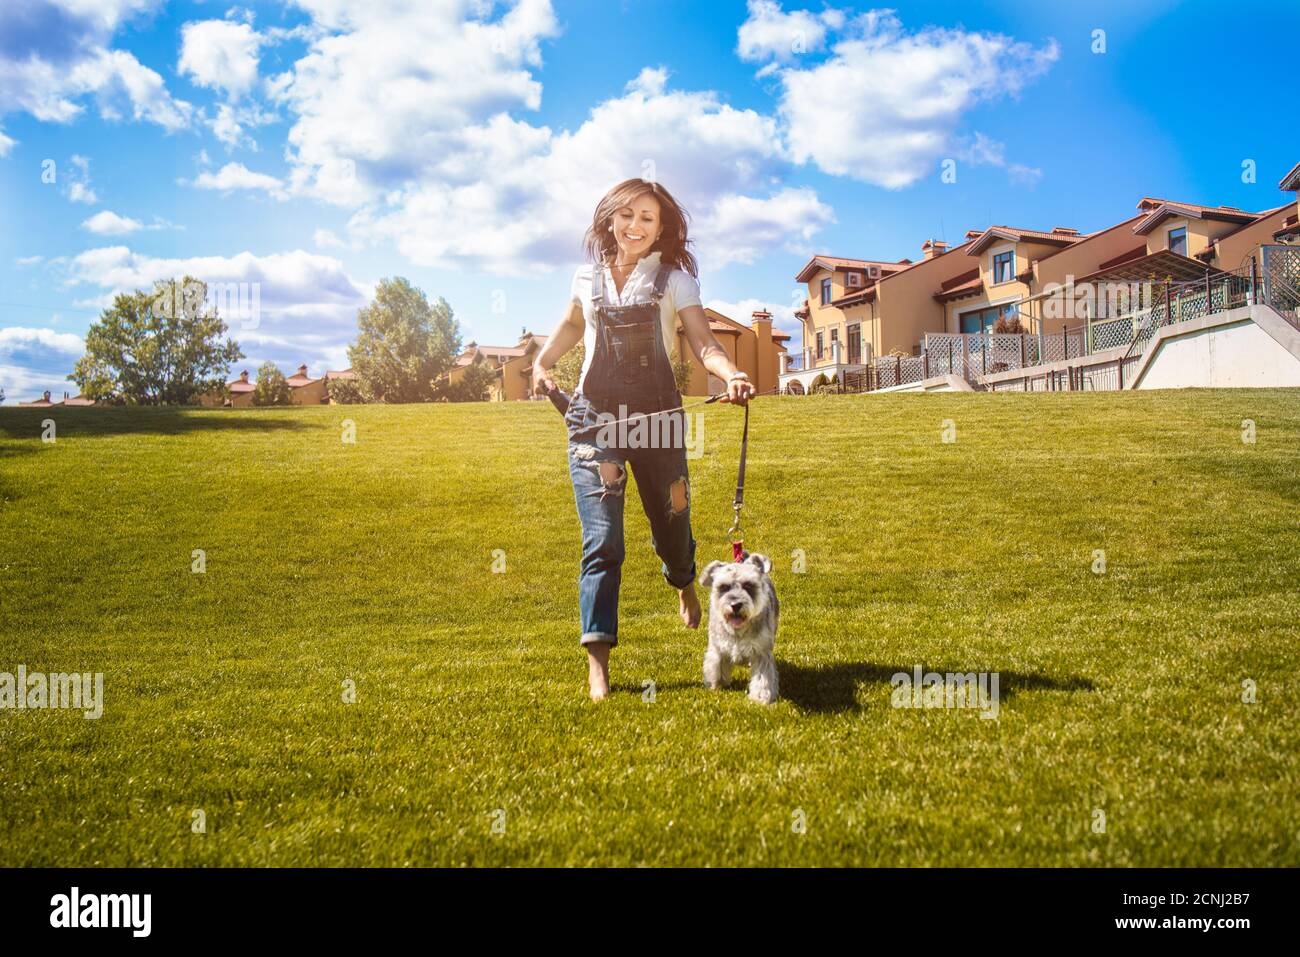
(630, 376)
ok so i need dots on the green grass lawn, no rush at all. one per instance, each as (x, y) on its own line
(372, 562)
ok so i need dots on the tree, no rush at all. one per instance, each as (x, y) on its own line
(473, 384)
(403, 344)
(682, 374)
(566, 371)
(272, 388)
(344, 391)
(165, 347)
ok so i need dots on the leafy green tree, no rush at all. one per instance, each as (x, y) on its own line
(165, 347)
(403, 343)
(566, 371)
(272, 388)
(473, 385)
(345, 391)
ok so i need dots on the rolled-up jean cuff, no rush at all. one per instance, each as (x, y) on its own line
(593, 637)
(689, 578)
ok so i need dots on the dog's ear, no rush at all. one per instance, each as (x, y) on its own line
(706, 577)
(762, 561)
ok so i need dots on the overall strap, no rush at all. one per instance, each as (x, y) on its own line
(597, 283)
(661, 280)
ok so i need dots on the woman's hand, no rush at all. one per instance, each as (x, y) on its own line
(543, 384)
(739, 391)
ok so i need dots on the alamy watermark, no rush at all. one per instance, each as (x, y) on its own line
(37, 690)
(232, 301)
(977, 691)
(672, 429)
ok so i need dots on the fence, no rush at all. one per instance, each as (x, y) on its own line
(1273, 277)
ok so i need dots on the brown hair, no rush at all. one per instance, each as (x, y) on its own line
(599, 244)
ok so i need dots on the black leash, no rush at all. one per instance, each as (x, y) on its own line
(734, 534)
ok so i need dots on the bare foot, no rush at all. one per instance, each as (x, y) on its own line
(598, 670)
(690, 606)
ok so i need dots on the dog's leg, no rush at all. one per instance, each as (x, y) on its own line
(762, 680)
(717, 669)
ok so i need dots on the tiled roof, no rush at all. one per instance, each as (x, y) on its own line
(1161, 209)
(1292, 179)
(968, 288)
(839, 262)
(346, 374)
(1015, 234)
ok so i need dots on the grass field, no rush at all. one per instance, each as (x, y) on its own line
(371, 562)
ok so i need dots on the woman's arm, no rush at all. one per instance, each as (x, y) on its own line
(564, 337)
(711, 355)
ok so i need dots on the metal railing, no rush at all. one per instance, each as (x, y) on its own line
(1271, 275)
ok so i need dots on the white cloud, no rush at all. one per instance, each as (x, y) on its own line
(238, 176)
(78, 179)
(326, 239)
(29, 260)
(108, 223)
(220, 55)
(514, 198)
(297, 285)
(742, 228)
(885, 105)
(6, 144)
(56, 53)
(14, 337)
(771, 33)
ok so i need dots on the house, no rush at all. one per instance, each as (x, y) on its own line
(304, 390)
(513, 366)
(238, 394)
(1000, 277)
(755, 349)
(44, 402)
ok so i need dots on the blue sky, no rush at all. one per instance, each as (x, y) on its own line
(315, 147)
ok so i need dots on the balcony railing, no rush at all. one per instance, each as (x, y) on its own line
(1271, 276)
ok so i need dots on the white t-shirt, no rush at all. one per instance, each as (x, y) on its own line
(681, 290)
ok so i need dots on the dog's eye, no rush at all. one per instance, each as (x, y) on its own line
(749, 587)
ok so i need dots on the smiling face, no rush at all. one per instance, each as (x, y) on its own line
(740, 590)
(636, 226)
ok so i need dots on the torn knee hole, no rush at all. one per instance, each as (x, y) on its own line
(611, 473)
(679, 496)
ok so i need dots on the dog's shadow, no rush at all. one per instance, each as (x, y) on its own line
(829, 689)
(834, 688)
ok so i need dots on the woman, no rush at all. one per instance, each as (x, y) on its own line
(625, 308)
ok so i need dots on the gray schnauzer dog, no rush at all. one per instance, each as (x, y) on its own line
(743, 613)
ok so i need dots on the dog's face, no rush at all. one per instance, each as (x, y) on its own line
(740, 591)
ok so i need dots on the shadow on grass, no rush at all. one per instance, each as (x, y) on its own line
(21, 424)
(833, 688)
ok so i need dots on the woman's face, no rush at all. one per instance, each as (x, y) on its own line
(636, 227)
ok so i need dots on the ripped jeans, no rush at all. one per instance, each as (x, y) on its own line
(664, 486)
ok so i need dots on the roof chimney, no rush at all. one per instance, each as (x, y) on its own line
(933, 248)
(302, 370)
(47, 395)
(243, 376)
(760, 315)
(1064, 231)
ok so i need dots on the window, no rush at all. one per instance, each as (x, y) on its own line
(1178, 240)
(826, 292)
(820, 350)
(1004, 267)
(983, 320)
